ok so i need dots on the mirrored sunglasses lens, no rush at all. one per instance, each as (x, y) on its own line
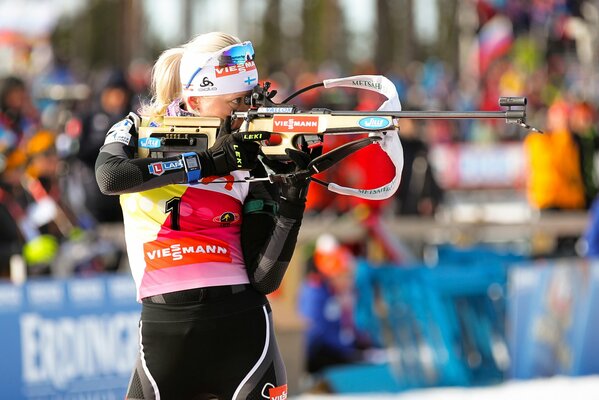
(237, 55)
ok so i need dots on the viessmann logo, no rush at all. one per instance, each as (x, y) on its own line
(304, 124)
(165, 253)
(234, 69)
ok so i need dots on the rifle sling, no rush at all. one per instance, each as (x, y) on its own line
(327, 160)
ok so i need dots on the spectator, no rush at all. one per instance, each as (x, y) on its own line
(114, 105)
(419, 193)
(17, 112)
(11, 207)
(326, 301)
(591, 234)
(585, 134)
(555, 179)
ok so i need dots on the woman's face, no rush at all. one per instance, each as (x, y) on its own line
(218, 106)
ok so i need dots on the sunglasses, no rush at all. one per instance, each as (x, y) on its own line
(237, 54)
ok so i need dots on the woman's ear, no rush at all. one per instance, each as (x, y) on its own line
(194, 104)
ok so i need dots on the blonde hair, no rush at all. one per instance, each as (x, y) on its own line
(166, 83)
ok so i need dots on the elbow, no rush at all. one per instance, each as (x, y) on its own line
(108, 191)
(117, 178)
(265, 287)
(106, 185)
(267, 280)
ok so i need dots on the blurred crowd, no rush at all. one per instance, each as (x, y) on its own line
(51, 206)
(52, 125)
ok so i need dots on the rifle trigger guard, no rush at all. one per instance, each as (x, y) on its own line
(290, 179)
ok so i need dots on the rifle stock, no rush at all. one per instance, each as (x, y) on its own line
(177, 135)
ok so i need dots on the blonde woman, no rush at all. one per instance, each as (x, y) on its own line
(204, 246)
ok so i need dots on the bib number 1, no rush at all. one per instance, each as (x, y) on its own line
(173, 206)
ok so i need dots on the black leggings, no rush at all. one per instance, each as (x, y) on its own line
(218, 347)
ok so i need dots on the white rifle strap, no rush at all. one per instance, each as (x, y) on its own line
(390, 142)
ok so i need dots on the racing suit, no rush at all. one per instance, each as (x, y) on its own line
(203, 257)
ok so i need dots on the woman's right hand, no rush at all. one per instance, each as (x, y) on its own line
(229, 153)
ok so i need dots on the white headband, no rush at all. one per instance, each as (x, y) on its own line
(230, 70)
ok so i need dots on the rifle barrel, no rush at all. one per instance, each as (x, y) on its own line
(428, 114)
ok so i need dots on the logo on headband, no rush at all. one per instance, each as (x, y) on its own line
(234, 69)
(206, 82)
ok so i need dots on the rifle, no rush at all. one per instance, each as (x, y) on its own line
(282, 126)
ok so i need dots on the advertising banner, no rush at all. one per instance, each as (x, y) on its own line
(68, 339)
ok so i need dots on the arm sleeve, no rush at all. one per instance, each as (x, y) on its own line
(118, 171)
(268, 239)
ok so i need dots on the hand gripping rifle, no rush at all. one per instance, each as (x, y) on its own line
(283, 126)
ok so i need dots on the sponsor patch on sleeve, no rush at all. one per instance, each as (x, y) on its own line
(160, 168)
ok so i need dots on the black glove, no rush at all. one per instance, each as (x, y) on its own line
(229, 153)
(295, 187)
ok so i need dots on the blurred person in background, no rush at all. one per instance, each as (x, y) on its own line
(42, 161)
(584, 125)
(554, 174)
(45, 208)
(584, 129)
(419, 193)
(26, 228)
(139, 76)
(555, 179)
(114, 103)
(326, 301)
(590, 238)
(17, 112)
(12, 162)
(204, 246)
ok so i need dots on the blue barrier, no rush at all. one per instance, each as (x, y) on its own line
(445, 325)
(478, 317)
(451, 255)
(68, 339)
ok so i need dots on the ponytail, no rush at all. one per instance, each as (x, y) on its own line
(166, 85)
